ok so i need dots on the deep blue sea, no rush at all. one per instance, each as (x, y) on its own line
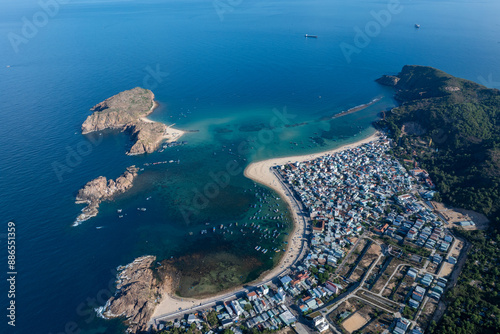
(238, 74)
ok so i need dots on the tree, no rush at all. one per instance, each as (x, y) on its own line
(212, 318)
(248, 307)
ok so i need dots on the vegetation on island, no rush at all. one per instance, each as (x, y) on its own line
(451, 128)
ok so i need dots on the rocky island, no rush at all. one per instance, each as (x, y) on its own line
(102, 189)
(127, 111)
(140, 286)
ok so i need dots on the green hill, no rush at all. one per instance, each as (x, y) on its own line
(451, 126)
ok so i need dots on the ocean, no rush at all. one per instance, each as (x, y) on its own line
(246, 83)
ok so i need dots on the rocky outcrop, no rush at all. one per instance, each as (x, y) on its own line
(120, 110)
(126, 111)
(388, 80)
(139, 289)
(101, 189)
(147, 136)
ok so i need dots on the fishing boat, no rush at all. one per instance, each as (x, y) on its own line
(417, 25)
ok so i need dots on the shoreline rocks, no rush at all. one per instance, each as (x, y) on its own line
(388, 80)
(139, 289)
(102, 189)
(147, 136)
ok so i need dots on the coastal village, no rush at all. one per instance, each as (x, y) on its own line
(377, 255)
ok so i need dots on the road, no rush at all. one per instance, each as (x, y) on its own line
(339, 268)
(394, 273)
(421, 308)
(330, 307)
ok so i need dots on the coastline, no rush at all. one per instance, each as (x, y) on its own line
(260, 172)
(170, 134)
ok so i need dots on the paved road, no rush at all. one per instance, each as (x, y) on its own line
(339, 268)
(421, 308)
(337, 303)
(326, 310)
(394, 273)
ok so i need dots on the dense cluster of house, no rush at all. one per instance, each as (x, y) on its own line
(424, 231)
(426, 285)
(342, 193)
(312, 296)
(345, 191)
(264, 309)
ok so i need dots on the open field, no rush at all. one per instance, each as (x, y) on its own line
(363, 317)
(372, 253)
(395, 281)
(355, 322)
(453, 215)
(367, 254)
(447, 267)
(426, 314)
(404, 288)
(353, 258)
(378, 301)
(433, 268)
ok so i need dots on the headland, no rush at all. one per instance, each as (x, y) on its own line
(127, 112)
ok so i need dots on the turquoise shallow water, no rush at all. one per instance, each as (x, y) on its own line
(228, 79)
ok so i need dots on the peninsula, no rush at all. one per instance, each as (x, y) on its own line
(139, 286)
(127, 111)
(102, 189)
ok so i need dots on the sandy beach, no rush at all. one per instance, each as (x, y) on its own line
(260, 172)
(171, 134)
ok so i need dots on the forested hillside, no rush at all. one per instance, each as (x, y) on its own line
(451, 128)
